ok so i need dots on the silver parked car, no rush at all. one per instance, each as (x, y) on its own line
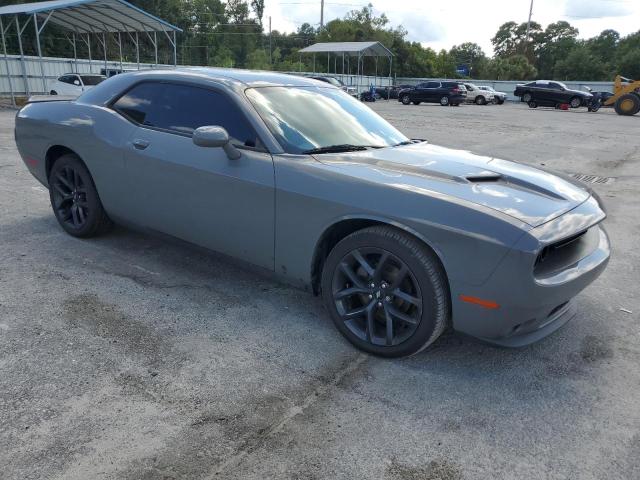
(401, 238)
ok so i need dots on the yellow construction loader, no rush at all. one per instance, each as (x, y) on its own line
(626, 96)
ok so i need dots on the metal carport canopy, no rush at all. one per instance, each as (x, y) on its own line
(85, 17)
(91, 16)
(363, 49)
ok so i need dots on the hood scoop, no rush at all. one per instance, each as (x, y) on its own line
(484, 178)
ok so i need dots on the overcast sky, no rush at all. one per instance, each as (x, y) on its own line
(441, 24)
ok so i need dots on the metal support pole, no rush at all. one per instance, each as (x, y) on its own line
(175, 50)
(138, 50)
(104, 46)
(390, 71)
(89, 47)
(6, 63)
(44, 81)
(314, 63)
(155, 44)
(120, 47)
(27, 90)
(270, 44)
(75, 53)
(328, 59)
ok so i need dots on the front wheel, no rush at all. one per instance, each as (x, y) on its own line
(480, 100)
(527, 97)
(406, 100)
(444, 101)
(575, 102)
(387, 292)
(53, 92)
(75, 200)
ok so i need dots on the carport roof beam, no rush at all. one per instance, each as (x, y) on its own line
(354, 49)
(128, 17)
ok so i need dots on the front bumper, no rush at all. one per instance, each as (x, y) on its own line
(533, 305)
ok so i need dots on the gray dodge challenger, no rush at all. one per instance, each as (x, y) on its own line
(401, 238)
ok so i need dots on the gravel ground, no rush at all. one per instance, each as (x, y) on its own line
(131, 357)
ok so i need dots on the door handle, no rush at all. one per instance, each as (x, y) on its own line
(140, 144)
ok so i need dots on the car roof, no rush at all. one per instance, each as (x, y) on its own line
(247, 78)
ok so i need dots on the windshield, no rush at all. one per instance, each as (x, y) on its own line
(311, 118)
(92, 80)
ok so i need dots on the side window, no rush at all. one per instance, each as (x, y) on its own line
(184, 108)
(66, 79)
(555, 86)
(432, 85)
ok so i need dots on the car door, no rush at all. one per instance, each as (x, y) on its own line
(431, 92)
(419, 93)
(557, 93)
(194, 193)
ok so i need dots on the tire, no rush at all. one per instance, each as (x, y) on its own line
(527, 97)
(74, 199)
(575, 102)
(533, 104)
(53, 92)
(628, 104)
(480, 100)
(416, 103)
(395, 319)
(444, 101)
(499, 102)
(406, 100)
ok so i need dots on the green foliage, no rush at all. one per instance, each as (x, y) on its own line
(230, 33)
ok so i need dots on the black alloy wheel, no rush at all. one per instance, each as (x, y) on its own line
(386, 292)
(377, 296)
(444, 101)
(74, 198)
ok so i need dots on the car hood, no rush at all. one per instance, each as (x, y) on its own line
(527, 194)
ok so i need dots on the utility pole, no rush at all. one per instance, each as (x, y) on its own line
(321, 14)
(529, 23)
(270, 51)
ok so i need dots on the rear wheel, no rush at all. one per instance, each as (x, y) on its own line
(406, 100)
(53, 92)
(386, 291)
(444, 101)
(628, 104)
(75, 200)
(416, 103)
(533, 104)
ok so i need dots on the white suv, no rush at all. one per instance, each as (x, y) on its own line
(73, 84)
(477, 96)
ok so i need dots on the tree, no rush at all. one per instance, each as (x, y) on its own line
(557, 41)
(471, 55)
(258, 8)
(516, 67)
(580, 64)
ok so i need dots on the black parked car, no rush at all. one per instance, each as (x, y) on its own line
(548, 93)
(391, 92)
(445, 93)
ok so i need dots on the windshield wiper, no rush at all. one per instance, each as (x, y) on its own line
(340, 148)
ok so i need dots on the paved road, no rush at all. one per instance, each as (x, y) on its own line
(130, 357)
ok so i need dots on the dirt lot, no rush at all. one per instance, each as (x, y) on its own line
(129, 357)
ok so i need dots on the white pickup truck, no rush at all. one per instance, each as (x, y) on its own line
(477, 96)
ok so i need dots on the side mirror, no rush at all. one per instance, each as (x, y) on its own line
(76, 83)
(215, 137)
